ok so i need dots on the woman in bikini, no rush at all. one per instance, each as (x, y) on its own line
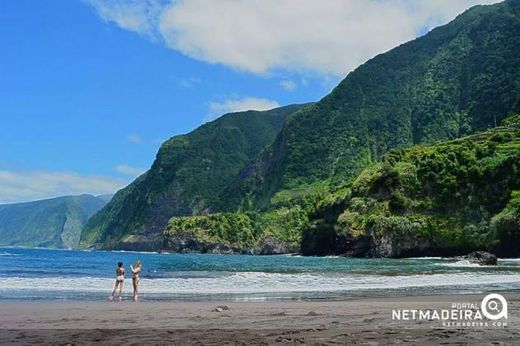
(136, 272)
(120, 279)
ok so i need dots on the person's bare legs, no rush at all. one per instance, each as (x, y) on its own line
(121, 290)
(113, 291)
(135, 283)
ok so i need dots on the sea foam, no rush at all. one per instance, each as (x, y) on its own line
(256, 282)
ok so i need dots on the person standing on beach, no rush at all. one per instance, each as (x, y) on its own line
(136, 271)
(120, 279)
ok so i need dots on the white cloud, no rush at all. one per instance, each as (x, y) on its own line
(140, 16)
(129, 170)
(19, 186)
(136, 139)
(237, 105)
(288, 85)
(260, 36)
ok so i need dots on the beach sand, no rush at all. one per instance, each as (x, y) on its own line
(359, 321)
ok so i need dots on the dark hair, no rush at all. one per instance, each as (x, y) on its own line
(119, 264)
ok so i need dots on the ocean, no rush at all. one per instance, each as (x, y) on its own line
(44, 274)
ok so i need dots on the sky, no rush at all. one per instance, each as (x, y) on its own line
(89, 89)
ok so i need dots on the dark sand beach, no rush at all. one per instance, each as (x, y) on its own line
(360, 321)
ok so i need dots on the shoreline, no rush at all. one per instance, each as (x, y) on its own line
(359, 320)
(282, 297)
(289, 254)
(405, 297)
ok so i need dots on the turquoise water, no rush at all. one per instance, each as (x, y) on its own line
(37, 274)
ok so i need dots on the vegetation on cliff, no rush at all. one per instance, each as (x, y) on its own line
(459, 78)
(374, 168)
(449, 198)
(277, 231)
(186, 178)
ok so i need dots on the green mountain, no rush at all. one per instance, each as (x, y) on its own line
(457, 79)
(186, 178)
(55, 222)
(450, 198)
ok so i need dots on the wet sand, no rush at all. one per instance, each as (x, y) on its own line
(359, 321)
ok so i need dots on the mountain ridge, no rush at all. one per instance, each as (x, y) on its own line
(457, 79)
(54, 222)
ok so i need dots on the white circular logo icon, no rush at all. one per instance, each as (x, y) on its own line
(494, 306)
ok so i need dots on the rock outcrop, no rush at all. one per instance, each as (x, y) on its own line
(482, 258)
(272, 246)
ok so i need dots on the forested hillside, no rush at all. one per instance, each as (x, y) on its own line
(459, 78)
(300, 179)
(185, 179)
(450, 198)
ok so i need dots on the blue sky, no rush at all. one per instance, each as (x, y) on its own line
(89, 89)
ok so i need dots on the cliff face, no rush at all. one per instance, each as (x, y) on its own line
(447, 199)
(185, 179)
(457, 79)
(55, 222)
